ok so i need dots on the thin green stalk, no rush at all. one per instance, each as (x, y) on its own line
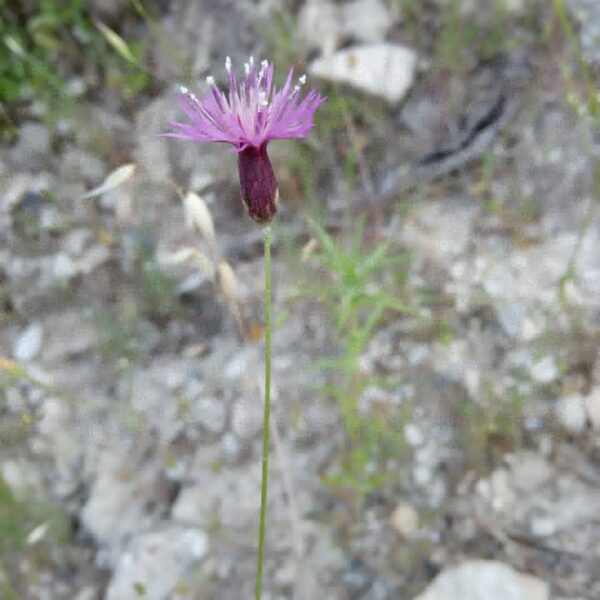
(267, 414)
(593, 102)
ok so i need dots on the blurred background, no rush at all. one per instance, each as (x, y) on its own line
(436, 302)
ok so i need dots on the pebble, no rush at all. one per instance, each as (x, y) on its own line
(405, 520)
(29, 343)
(571, 413)
(383, 70)
(169, 551)
(485, 580)
(545, 370)
(319, 26)
(530, 471)
(365, 20)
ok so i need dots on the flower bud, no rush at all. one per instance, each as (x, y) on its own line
(258, 184)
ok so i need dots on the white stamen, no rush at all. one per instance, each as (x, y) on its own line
(190, 95)
(246, 68)
(263, 68)
(302, 79)
(210, 80)
(251, 61)
(262, 99)
(228, 64)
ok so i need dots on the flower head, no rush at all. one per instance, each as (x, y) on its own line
(253, 113)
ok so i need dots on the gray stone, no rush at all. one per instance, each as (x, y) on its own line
(126, 497)
(68, 334)
(33, 147)
(512, 317)
(570, 413)
(155, 562)
(319, 26)
(153, 398)
(485, 580)
(365, 20)
(59, 439)
(530, 471)
(78, 165)
(229, 497)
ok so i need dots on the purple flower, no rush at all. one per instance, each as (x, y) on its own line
(249, 117)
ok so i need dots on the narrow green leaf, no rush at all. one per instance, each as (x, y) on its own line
(117, 42)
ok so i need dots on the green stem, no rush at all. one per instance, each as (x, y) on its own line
(267, 414)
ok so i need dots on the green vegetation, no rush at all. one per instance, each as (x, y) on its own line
(360, 290)
(590, 107)
(28, 524)
(40, 41)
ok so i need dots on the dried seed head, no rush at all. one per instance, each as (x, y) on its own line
(194, 256)
(228, 281)
(198, 216)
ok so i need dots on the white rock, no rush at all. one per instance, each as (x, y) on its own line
(497, 490)
(530, 471)
(28, 343)
(542, 526)
(155, 562)
(64, 267)
(319, 26)
(571, 413)
(229, 498)
(194, 505)
(323, 24)
(119, 498)
(485, 580)
(414, 435)
(384, 70)
(545, 370)
(405, 520)
(365, 20)
(592, 407)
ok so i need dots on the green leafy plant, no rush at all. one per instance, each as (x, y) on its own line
(39, 41)
(590, 105)
(359, 305)
(29, 524)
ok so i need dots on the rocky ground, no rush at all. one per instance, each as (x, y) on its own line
(130, 413)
